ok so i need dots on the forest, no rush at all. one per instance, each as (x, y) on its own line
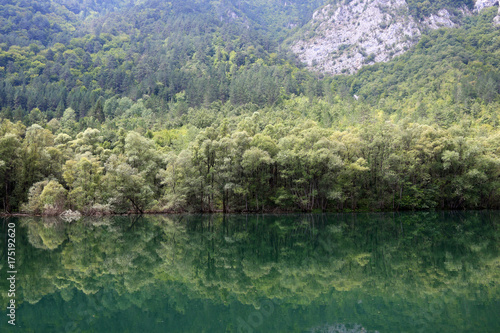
(195, 106)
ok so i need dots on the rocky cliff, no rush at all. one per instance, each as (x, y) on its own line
(481, 4)
(344, 36)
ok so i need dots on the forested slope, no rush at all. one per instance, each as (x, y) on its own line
(209, 51)
(194, 105)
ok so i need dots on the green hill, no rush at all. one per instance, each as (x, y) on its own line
(198, 105)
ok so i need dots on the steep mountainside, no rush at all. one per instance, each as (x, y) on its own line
(481, 4)
(345, 35)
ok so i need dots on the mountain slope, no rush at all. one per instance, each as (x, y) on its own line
(447, 71)
(181, 54)
(343, 36)
(206, 51)
(196, 106)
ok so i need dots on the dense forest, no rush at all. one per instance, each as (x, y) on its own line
(112, 107)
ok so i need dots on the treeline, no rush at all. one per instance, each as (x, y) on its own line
(259, 160)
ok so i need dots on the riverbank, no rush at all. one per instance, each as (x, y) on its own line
(271, 211)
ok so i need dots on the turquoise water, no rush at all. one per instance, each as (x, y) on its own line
(414, 272)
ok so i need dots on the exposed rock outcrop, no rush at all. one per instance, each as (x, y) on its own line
(70, 215)
(440, 20)
(345, 36)
(359, 32)
(497, 18)
(481, 4)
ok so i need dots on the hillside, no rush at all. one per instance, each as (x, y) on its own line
(206, 50)
(344, 36)
(201, 106)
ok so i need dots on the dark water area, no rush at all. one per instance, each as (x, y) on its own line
(411, 272)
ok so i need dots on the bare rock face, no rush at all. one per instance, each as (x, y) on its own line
(441, 20)
(344, 36)
(358, 32)
(497, 18)
(481, 4)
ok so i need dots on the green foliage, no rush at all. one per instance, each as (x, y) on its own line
(35, 205)
(449, 72)
(53, 198)
(133, 54)
(187, 111)
(272, 159)
(424, 8)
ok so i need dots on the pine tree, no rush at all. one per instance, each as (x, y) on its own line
(98, 110)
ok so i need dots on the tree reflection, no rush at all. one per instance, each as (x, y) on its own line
(361, 262)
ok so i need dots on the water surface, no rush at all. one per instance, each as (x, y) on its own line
(415, 272)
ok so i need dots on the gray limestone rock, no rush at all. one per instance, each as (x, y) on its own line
(343, 37)
(481, 4)
(355, 33)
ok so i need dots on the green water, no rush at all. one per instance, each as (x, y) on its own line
(421, 272)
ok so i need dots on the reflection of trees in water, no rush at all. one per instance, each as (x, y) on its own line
(341, 328)
(299, 259)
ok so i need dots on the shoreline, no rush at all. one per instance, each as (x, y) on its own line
(277, 212)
